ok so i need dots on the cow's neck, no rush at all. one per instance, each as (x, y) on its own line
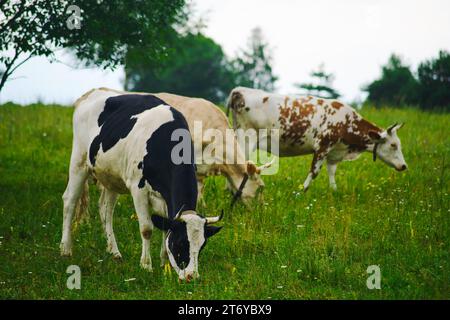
(234, 166)
(363, 140)
(182, 190)
(234, 173)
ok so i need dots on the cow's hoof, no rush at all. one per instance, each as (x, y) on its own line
(147, 267)
(117, 256)
(65, 251)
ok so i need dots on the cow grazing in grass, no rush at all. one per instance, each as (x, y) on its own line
(125, 142)
(328, 129)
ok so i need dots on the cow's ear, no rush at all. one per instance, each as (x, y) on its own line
(161, 222)
(374, 135)
(252, 168)
(211, 230)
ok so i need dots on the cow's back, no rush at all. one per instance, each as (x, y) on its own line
(197, 109)
(128, 142)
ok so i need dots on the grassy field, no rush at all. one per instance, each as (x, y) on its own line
(316, 245)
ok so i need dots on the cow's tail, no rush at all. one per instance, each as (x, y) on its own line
(82, 207)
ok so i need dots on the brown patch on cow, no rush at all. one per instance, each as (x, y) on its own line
(237, 100)
(295, 120)
(307, 110)
(265, 99)
(147, 234)
(357, 139)
(251, 168)
(337, 105)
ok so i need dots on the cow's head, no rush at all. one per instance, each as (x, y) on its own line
(186, 236)
(254, 185)
(248, 185)
(388, 148)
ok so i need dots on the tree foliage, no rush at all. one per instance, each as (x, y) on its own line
(107, 30)
(396, 86)
(434, 79)
(198, 67)
(195, 67)
(321, 86)
(253, 65)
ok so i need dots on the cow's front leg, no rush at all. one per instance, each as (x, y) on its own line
(316, 165)
(107, 203)
(331, 168)
(200, 187)
(141, 205)
(163, 253)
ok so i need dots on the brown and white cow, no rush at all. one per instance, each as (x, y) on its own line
(329, 129)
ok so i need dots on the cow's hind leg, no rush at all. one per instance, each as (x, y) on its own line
(78, 173)
(316, 165)
(331, 168)
(141, 205)
(107, 203)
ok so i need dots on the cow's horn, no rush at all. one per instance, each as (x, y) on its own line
(178, 215)
(389, 130)
(210, 220)
(267, 165)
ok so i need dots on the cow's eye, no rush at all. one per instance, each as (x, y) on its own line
(394, 146)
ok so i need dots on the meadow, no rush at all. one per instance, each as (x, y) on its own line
(293, 245)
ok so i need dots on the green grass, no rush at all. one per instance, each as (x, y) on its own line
(324, 240)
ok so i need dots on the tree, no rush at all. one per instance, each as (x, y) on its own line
(321, 85)
(434, 79)
(253, 65)
(396, 87)
(98, 32)
(196, 67)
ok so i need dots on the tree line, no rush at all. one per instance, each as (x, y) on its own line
(398, 86)
(197, 66)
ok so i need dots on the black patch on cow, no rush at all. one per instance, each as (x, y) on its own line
(179, 244)
(116, 120)
(176, 183)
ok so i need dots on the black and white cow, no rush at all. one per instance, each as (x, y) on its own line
(126, 142)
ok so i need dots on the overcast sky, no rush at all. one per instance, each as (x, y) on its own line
(352, 37)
